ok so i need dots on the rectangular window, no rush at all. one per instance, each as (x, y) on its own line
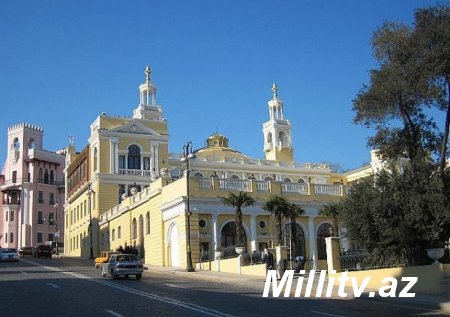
(85, 208)
(51, 199)
(51, 219)
(14, 176)
(40, 197)
(119, 232)
(146, 163)
(39, 237)
(6, 238)
(50, 237)
(11, 217)
(29, 178)
(11, 237)
(40, 219)
(122, 161)
(7, 213)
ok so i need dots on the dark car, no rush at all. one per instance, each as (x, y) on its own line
(26, 251)
(43, 250)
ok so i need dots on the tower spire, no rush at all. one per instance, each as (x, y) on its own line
(275, 91)
(147, 72)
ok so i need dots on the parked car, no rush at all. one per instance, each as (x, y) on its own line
(26, 251)
(122, 265)
(104, 256)
(9, 254)
(43, 250)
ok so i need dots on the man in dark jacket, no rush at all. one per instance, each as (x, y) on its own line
(268, 260)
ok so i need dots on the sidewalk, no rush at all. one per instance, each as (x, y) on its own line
(422, 300)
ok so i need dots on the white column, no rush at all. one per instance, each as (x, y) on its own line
(112, 156)
(214, 228)
(152, 159)
(253, 235)
(157, 159)
(312, 240)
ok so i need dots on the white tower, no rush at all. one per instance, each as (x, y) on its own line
(147, 108)
(277, 132)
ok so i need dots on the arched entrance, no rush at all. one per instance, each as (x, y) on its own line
(324, 231)
(228, 235)
(174, 246)
(298, 239)
(141, 237)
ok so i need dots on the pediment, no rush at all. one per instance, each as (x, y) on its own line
(135, 127)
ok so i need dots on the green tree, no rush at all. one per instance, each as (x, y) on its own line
(292, 213)
(239, 201)
(279, 207)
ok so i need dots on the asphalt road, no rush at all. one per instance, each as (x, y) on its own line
(73, 287)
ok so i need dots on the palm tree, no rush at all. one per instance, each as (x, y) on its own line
(294, 211)
(332, 211)
(238, 201)
(278, 206)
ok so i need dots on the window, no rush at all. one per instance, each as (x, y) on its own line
(269, 138)
(119, 233)
(134, 157)
(41, 175)
(6, 238)
(11, 217)
(14, 176)
(95, 159)
(50, 237)
(46, 176)
(268, 179)
(39, 237)
(52, 177)
(322, 233)
(301, 181)
(78, 213)
(7, 216)
(134, 229)
(147, 222)
(51, 199)
(202, 223)
(85, 208)
(40, 219)
(32, 144)
(122, 162)
(287, 180)
(262, 224)
(40, 197)
(67, 220)
(234, 177)
(198, 174)
(282, 139)
(16, 144)
(146, 163)
(113, 234)
(51, 219)
(11, 237)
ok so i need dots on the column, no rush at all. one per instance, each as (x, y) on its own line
(253, 235)
(112, 156)
(312, 240)
(152, 160)
(157, 160)
(214, 228)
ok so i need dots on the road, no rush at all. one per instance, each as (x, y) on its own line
(73, 287)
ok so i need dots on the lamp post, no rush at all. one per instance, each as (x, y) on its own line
(89, 193)
(55, 206)
(188, 155)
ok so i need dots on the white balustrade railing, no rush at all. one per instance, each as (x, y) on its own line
(205, 183)
(134, 172)
(262, 186)
(324, 189)
(235, 184)
(294, 188)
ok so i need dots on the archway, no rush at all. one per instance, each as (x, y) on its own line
(298, 240)
(174, 246)
(228, 235)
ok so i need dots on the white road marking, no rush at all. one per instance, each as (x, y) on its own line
(23, 272)
(325, 314)
(53, 285)
(175, 286)
(112, 312)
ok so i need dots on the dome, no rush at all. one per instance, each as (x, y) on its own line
(217, 140)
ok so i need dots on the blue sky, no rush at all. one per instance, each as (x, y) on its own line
(62, 63)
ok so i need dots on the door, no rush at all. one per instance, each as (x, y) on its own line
(174, 246)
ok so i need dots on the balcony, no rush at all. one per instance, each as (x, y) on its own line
(11, 201)
(50, 182)
(123, 171)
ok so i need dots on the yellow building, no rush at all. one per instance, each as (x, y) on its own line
(139, 191)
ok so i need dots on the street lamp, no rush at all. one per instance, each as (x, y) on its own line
(188, 155)
(56, 205)
(89, 193)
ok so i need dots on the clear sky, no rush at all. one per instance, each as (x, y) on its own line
(62, 63)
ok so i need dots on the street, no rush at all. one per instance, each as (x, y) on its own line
(73, 287)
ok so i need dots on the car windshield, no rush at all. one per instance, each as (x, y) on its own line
(44, 247)
(126, 258)
(8, 250)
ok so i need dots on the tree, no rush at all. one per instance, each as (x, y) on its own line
(293, 212)
(331, 210)
(279, 207)
(432, 33)
(239, 201)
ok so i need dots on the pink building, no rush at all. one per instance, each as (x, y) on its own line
(32, 190)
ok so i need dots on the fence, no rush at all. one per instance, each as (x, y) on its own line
(365, 261)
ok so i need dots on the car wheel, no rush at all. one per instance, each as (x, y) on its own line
(138, 276)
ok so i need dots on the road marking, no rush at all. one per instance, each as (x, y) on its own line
(23, 272)
(176, 286)
(112, 312)
(325, 314)
(53, 285)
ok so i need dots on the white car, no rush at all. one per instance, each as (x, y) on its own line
(122, 264)
(8, 254)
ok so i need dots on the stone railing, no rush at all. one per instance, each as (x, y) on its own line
(134, 172)
(294, 188)
(235, 184)
(325, 189)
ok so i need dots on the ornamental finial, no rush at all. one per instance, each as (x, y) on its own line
(147, 73)
(275, 91)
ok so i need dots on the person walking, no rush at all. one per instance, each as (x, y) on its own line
(268, 260)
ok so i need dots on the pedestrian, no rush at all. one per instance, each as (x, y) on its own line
(268, 260)
(120, 249)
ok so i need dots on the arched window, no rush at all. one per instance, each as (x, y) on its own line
(52, 177)
(46, 176)
(234, 177)
(282, 139)
(268, 179)
(198, 174)
(147, 223)
(41, 175)
(16, 144)
(322, 233)
(228, 234)
(31, 143)
(287, 180)
(298, 241)
(301, 181)
(134, 157)
(134, 229)
(269, 138)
